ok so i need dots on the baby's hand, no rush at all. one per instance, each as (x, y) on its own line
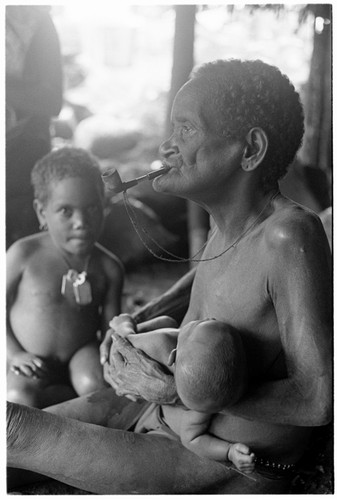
(241, 457)
(28, 365)
(123, 324)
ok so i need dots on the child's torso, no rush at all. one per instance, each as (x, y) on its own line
(47, 323)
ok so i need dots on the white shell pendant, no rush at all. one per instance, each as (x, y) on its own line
(82, 289)
(76, 284)
(68, 282)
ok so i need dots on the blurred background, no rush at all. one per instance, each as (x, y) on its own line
(112, 73)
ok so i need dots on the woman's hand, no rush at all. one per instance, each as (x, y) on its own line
(135, 375)
(104, 348)
(124, 324)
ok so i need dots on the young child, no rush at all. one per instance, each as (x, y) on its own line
(209, 366)
(62, 286)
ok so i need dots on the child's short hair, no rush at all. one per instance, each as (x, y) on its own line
(61, 164)
(213, 376)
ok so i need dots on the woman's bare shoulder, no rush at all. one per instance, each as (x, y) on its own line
(293, 224)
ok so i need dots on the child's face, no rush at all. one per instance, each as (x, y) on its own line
(73, 214)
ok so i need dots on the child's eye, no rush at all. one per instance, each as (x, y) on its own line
(66, 211)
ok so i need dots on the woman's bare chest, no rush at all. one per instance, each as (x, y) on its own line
(233, 288)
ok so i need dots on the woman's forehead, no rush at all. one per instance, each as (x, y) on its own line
(188, 99)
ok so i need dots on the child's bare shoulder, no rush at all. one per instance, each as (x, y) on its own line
(111, 263)
(24, 248)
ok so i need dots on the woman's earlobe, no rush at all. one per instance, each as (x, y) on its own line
(246, 164)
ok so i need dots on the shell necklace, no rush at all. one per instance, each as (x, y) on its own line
(76, 284)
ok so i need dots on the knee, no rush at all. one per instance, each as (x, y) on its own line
(85, 383)
(24, 396)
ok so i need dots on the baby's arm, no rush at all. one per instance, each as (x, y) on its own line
(194, 436)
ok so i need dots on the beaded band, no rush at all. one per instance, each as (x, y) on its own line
(263, 462)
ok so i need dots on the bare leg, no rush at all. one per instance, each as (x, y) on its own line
(108, 461)
(85, 370)
(38, 393)
(103, 407)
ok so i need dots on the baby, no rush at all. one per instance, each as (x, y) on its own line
(209, 367)
(62, 286)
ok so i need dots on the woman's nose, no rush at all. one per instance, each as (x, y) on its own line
(168, 149)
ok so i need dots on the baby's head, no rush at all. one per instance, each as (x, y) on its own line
(69, 198)
(64, 163)
(210, 366)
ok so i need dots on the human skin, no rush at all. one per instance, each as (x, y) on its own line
(274, 287)
(60, 332)
(194, 425)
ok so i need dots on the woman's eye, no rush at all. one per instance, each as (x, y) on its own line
(185, 129)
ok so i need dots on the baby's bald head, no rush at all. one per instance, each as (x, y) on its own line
(210, 371)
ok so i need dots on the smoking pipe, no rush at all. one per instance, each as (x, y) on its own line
(112, 180)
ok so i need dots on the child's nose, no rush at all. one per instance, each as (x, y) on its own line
(80, 220)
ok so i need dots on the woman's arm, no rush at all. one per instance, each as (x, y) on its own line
(299, 285)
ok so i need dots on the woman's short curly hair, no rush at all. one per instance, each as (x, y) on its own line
(245, 94)
(61, 164)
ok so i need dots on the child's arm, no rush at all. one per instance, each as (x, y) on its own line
(19, 361)
(14, 269)
(194, 436)
(114, 272)
(111, 306)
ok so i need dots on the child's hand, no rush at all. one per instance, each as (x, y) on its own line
(241, 457)
(28, 365)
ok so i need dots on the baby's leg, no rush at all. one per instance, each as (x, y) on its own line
(85, 370)
(36, 392)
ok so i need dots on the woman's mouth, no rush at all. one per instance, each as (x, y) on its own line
(173, 164)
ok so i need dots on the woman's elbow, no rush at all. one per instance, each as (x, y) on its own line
(321, 406)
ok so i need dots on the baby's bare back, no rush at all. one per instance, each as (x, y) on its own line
(44, 321)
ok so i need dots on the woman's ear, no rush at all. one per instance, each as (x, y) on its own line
(40, 213)
(255, 150)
